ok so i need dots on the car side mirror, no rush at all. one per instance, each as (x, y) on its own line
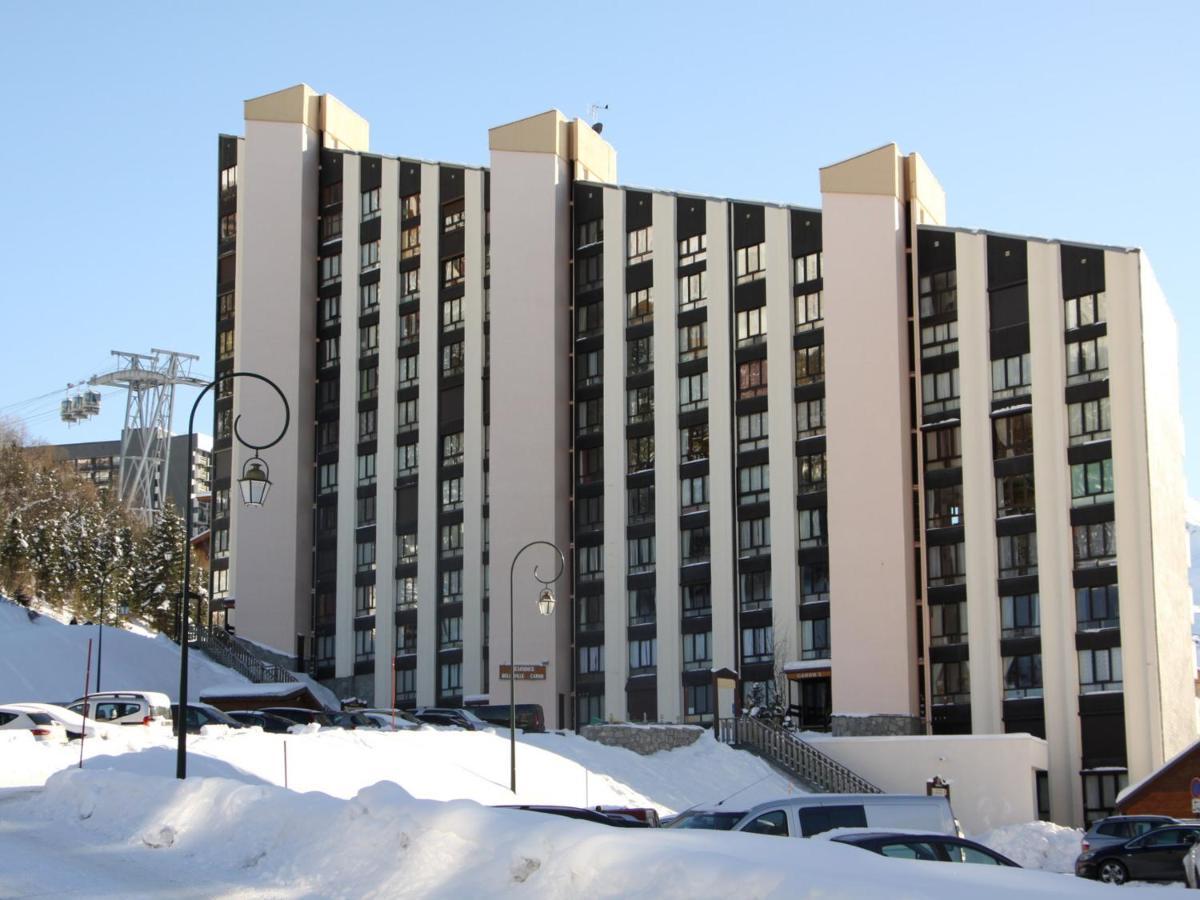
(1189, 838)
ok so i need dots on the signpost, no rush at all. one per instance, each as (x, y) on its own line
(525, 672)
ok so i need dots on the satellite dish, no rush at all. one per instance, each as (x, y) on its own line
(598, 127)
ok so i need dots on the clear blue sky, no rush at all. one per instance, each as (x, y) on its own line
(1068, 120)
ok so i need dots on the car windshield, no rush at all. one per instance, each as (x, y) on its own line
(715, 821)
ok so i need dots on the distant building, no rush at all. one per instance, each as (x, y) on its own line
(953, 503)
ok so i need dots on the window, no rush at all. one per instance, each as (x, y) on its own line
(693, 494)
(693, 392)
(943, 506)
(639, 404)
(589, 416)
(758, 644)
(1018, 554)
(589, 273)
(640, 554)
(366, 425)
(697, 600)
(450, 633)
(693, 249)
(1012, 436)
(693, 290)
(591, 613)
(410, 242)
(1020, 615)
(408, 328)
(810, 473)
(752, 326)
(697, 651)
(939, 293)
(639, 244)
(453, 358)
(810, 364)
(410, 285)
(364, 599)
(589, 233)
(452, 271)
(452, 540)
(1095, 545)
(951, 683)
(591, 465)
(589, 513)
(452, 314)
(814, 639)
(947, 564)
(752, 431)
(639, 355)
(754, 590)
(450, 679)
(406, 640)
(410, 206)
(810, 418)
(812, 527)
(807, 267)
(640, 453)
(225, 344)
(589, 319)
(220, 543)
(364, 556)
(225, 305)
(453, 216)
(750, 263)
(752, 379)
(1090, 309)
(229, 182)
(591, 659)
(452, 494)
(1100, 790)
(370, 204)
(228, 227)
(364, 645)
(406, 459)
(327, 478)
(1097, 607)
(368, 340)
(641, 606)
(368, 256)
(451, 587)
(693, 443)
(1022, 676)
(408, 371)
(1014, 495)
(754, 484)
(406, 685)
(693, 341)
(942, 448)
(591, 562)
(814, 582)
(695, 545)
(1100, 670)
(452, 449)
(938, 340)
(1087, 360)
(639, 504)
(939, 391)
(406, 548)
(368, 383)
(947, 624)
(1091, 483)
(406, 416)
(406, 592)
(1011, 376)
(1088, 421)
(220, 580)
(808, 311)
(640, 305)
(589, 368)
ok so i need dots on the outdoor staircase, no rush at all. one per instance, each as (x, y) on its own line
(785, 750)
(224, 648)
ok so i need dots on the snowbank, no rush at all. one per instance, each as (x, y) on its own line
(1036, 845)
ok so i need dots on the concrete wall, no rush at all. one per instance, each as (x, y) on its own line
(992, 777)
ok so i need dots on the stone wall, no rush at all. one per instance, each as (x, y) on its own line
(643, 739)
(875, 726)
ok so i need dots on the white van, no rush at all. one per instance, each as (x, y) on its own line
(812, 814)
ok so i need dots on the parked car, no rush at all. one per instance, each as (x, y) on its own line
(645, 814)
(126, 707)
(586, 815)
(201, 714)
(1114, 830)
(392, 719)
(455, 718)
(934, 847)
(353, 720)
(74, 724)
(300, 715)
(812, 814)
(1156, 855)
(529, 715)
(268, 722)
(43, 728)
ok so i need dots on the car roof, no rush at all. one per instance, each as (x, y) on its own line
(807, 800)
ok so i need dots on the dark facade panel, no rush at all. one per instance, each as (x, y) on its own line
(1082, 270)
(749, 224)
(638, 210)
(1007, 262)
(806, 231)
(690, 217)
(370, 173)
(935, 251)
(450, 184)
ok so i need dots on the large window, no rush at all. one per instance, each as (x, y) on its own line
(367, 424)
(814, 639)
(951, 683)
(590, 613)
(327, 481)
(640, 554)
(750, 263)
(947, 565)
(451, 587)
(589, 416)
(370, 204)
(452, 494)
(693, 249)
(758, 644)
(591, 465)
(452, 540)
(639, 404)
(639, 504)
(590, 562)
(938, 340)
(641, 606)
(1090, 309)
(640, 305)
(1014, 495)
(450, 633)
(697, 650)
(406, 459)
(697, 600)
(1011, 376)
(693, 443)
(453, 216)
(754, 537)
(810, 473)
(639, 244)
(814, 582)
(1020, 615)
(1018, 554)
(1100, 790)
(640, 453)
(452, 314)
(366, 469)
(807, 267)
(1022, 676)
(589, 368)
(589, 319)
(591, 659)
(1095, 545)
(809, 314)
(406, 548)
(943, 506)
(947, 623)
(943, 449)
(752, 379)
(364, 599)
(639, 355)
(811, 523)
(754, 484)
(693, 494)
(1088, 421)
(368, 383)
(693, 341)
(364, 556)
(810, 364)
(1092, 483)
(589, 233)
(364, 645)
(1100, 670)
(939, 391)
(1097, 607)
(643, 656)
(1087, 360)
(450, 679)
(410, 242)
(810, 418)
(939, 293)
(754, 590)
(368, 256)
(752, 326)
(1012, 436)
(752, 431)
(331, 269)
(693, 290)
(693, 392)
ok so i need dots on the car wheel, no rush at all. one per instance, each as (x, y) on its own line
(1112, 872)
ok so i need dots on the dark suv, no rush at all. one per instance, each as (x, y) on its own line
(300, 715)
(1115, 830)
(529, 715)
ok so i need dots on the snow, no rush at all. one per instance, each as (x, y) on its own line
(42, 659)
(1036, 845)
(804, 665)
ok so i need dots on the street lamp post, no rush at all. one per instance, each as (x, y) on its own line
(545, 606)
(254, 485)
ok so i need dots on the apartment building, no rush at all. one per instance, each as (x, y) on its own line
(917, 479)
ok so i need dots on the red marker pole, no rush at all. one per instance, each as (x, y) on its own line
(87, 686)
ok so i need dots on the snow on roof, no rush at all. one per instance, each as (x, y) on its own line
(805, 665)
(1132, 789)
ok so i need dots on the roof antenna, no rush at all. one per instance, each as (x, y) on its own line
(593, 111)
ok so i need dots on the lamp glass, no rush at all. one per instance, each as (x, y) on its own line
(254, 484)
(545, 601)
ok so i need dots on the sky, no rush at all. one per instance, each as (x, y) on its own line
(1075, 121)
